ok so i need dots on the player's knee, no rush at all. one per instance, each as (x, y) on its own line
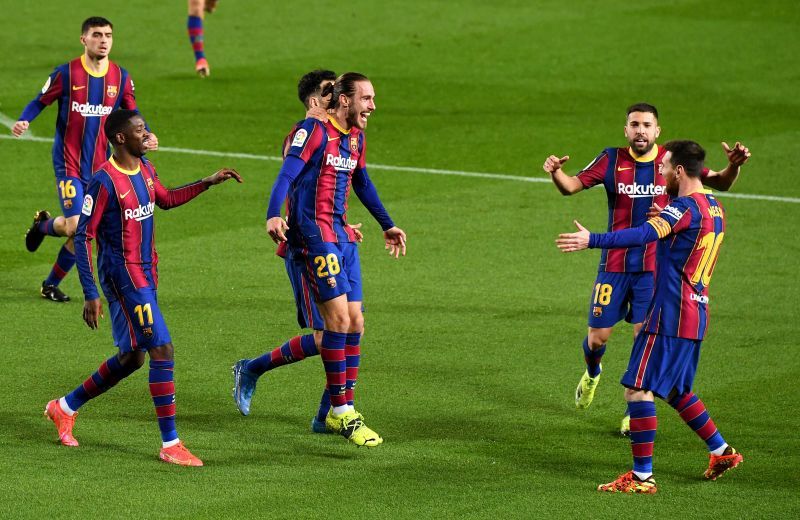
(356, 323)
(318, 339)
(70, 225)
(338, 322)
(131, 360)
(162, 353)
(598, 337)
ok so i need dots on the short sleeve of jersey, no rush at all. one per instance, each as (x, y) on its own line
(306, 139)
(128, 92)
(52, 88)
(704, 173)
(595, 172)
(362, 158)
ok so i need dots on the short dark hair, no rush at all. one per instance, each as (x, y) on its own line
(688, 154)
(309, 84)
(95, 21)
(642, 107)
(346, 84)
(117, 121)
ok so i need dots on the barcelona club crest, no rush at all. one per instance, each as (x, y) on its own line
(332, 282)
(147, 332)
(67, 203)
(111, 91)
(150, 183)
(597, 311)
(354, 143)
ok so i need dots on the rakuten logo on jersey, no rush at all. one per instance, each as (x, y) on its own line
(143, 212)
(341, 164)
(636, 191)
(87, 110)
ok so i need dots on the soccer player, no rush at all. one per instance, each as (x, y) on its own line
(664, 359)
(87, 89)
(117, 211)
(323, 162)
(315, 90)
(624, 284)
(197, 10)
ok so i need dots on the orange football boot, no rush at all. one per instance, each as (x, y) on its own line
(629, 483)
(202, 68)
(63, 422)
(179, 455)
(719, 464)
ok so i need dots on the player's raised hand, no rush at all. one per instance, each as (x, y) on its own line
(395, 241)
(316, 111)
(654, 210)
(276, 229)
(19, 128)
(553, 163)
(570, 242)
(92, 310)
(357, 231)
(738, 155)
(151, 142)
(223, 175)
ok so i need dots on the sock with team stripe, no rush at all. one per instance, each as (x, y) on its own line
(296, 349)
(64, 262)
(643, 435)
(47, 227)
(333, 359)
(195, 28)
(107, 375)
(352, 353)
(694, 414)
(324, 405)
(162, 389)
(593, 358)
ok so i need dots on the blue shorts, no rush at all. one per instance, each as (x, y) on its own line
(662, 363)
(70, 194)
(136, 321)
(320, 273)
(617, 296)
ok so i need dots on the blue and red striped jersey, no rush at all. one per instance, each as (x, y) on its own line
(690, 230)
(118, 212)
(84, 101)
(317, 201)
(632, 185)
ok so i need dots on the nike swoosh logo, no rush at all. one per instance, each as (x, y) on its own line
(76, 87)
(124, 194)
(620, 169)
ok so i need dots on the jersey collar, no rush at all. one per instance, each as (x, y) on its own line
(336, 125)
(648, 157)
(123, 170)
(91, 72)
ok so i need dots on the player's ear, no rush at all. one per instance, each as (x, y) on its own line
(658, 131)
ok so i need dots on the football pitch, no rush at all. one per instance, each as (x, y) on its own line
(473, 341)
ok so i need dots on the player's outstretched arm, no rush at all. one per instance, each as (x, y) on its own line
(395, 241)
(571, 242)
(223, 175)
(723, 180)
(566, 184)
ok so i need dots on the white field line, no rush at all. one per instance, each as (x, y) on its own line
(429, 171)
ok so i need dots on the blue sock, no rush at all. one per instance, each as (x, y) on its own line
(593, 358)
(47, 227)
(64, 262)
(694, 413)
(162, 390)
(109, 374)
(195, 28)
(296, 349)
(352, 354)
(643, 435)
(324, 406)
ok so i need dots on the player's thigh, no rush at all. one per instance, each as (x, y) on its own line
(70, 192)
(308, 315)
(608, 303)
(640, 291)
(324, 271)
(661, 364)
(137, 322)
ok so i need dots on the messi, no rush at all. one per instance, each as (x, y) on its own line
(640, 190)
(87, 110)
(141, 213)
(340, 163)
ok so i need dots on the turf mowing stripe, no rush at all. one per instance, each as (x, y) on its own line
(411, 169)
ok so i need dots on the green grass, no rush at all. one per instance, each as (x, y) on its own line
(472, 348)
